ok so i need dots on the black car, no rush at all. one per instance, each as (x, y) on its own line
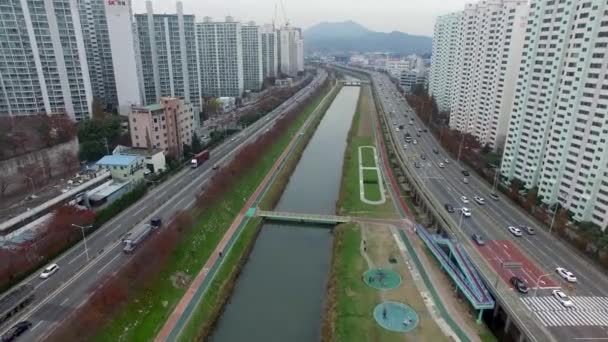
(423, 156)
(494, 196)
(435, 151)
(156, 222)
(424, 130)
(17, 330)
(466, 173)
(519, 285)
(527, 229)
(417, 165)
(478, 239)
(449, 208)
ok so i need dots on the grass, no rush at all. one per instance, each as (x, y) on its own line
(371, 186)
(368, 157)
(351, 301)
(144, 315)
(209, 309)
(349, 202)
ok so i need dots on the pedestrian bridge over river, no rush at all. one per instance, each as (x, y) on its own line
(301, 217)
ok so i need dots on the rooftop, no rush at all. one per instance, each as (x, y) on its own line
(140, 151)
(154, 107)
(107, 190)
(117, 160)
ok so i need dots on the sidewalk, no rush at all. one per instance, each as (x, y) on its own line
(182, 312)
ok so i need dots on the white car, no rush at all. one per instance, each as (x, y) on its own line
(515, 231)
(563, 298)
(49, 270)
(567, 275)
(415, 142)
(447, 161)
(464, 199)
(479, 200)
(466, 212)
(441, 165)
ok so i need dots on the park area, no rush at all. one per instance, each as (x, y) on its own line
(359, 154)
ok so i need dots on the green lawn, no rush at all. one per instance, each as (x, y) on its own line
(368, 157)
(371, 186)
(349, 202)
(144, 315)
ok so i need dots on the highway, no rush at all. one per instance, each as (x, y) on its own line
(542, 253)
(77, 277)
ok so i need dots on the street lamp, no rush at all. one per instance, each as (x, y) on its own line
(33, 186)
(86, 250)
(538, 281)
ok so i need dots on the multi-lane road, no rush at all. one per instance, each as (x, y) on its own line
(77, 277)
(542, 253)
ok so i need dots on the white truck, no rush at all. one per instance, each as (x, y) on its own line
(139, 234)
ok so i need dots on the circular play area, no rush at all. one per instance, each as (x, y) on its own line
(382, 278)
(395, 316)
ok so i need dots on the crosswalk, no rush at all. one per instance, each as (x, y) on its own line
(587, 311)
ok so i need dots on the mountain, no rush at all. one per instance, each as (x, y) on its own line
(351, 36)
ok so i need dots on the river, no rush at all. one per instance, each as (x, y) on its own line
(280, 293)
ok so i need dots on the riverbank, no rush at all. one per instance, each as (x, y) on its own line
(361, 134)
(209, 310)
(143, 316)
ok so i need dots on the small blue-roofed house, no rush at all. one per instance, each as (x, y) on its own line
(124, 168)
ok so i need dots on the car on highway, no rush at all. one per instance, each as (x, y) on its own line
(417, 165)
(436, 151)
(441, 165)
(425, 130)
(466, 173)
(563, 298)
(446, 160)
(494, 196)
(465, 180)
(396, 129)
(478, 239)
(527, 229)
(567, 275)
(216, 166)
(449, 208)
(423, 156)
(16, 330)
(49, 271)
(515, 231)
(479, 200)
(464, 199)
(466, 212)
(415, 142)
(519, 284)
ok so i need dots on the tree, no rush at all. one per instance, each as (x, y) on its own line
(514, 189)
(197, 146)
(97, 110)
(213, 106)
(530, 201)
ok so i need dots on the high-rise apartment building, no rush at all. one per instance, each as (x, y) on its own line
(492, 36)
(291, 49)
(123, 45)
(168, 125)
(252, 57)
(446, 46)
(167, 56)
(270, 51)
(557, 139)
(220, 57)
(98, 51)
(43, 64)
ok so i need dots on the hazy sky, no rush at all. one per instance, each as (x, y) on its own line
(410, 16)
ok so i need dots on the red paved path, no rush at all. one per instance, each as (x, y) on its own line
(497, 251)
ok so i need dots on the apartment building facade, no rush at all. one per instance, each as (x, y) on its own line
(99, 53)
(558, 133)
(446, 47)
(252, 57)
(291, 49)
(270, 51)
(492, 35)
(166, 125)
(43, 64)
(168, 63)
(220, 52)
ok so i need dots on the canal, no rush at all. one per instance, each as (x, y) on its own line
(280, 293)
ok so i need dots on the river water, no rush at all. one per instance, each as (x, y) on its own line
(280, 293)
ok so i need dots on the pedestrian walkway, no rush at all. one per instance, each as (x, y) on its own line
(376, 169)
(587, 311)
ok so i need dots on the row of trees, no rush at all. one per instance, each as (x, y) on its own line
(585, 236)
(152, 257)
(58, 233)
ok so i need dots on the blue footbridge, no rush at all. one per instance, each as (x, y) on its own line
(456, 262)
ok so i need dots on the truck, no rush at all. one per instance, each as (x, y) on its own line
(135, 237)
(199, 159)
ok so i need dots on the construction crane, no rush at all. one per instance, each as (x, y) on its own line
(275, 16)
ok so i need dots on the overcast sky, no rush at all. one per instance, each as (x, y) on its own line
(410, 16)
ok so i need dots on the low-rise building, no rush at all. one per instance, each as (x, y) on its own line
(167, 125)
(284, 82)
(124, 168)
(154, 158)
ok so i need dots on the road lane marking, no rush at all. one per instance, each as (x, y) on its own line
(158, 196)
(190, 203)
(178, 203)
(139, 211)
(113, 230)
(109, 263)
(65, 301)
(36, 326)
(76, 257)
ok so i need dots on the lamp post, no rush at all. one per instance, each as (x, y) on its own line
(538, 281)
(86, 250)
(566, 196)
(32, 183)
